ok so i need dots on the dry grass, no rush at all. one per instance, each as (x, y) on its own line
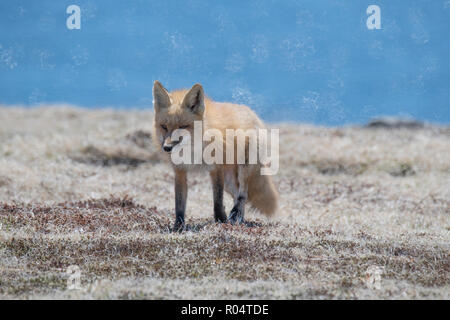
(87, 188)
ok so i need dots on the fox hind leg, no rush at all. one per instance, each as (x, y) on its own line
(239, 196)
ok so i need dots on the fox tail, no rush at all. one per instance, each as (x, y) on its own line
(262, 194)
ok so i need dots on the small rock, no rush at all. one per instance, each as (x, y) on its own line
(395, 123)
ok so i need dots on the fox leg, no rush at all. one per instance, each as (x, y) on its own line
(218, 183)
(180, 198)
(240, 197)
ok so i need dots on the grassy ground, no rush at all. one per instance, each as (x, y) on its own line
(87, 188)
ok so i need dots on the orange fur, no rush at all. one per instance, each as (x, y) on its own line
(172, 111)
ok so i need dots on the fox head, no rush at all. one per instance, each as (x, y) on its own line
(176, 110)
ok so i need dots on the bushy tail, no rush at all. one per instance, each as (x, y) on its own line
(262, 194)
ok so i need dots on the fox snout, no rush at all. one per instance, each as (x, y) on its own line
(169, 144)
(168, 148)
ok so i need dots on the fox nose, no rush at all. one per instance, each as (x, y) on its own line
(167, 148)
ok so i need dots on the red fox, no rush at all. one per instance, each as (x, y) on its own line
(181, 110)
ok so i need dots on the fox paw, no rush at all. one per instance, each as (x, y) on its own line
(235, 217)
(221, 218)
(178, 226)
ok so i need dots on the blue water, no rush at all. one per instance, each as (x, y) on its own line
(310, 61)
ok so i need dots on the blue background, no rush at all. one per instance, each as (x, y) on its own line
(310, 61)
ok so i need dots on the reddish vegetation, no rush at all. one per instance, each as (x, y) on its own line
(112, 215)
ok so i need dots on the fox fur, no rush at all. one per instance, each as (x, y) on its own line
(178, 110)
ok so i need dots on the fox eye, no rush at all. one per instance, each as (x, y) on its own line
(164, 127)
(184, 127)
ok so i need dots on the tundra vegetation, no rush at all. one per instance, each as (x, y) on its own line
(87, 188)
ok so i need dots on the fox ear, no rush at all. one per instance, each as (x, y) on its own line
(195, 99)
(161, 97)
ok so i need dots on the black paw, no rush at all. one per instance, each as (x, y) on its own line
(221, 218)
(235, 217)
(179, 225)
(219, 214)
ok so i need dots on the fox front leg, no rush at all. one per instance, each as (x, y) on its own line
(180, 199)
(217, 184)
